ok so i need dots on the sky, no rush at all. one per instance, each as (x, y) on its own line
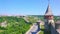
(28, 7)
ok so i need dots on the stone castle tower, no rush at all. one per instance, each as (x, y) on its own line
(49, 20)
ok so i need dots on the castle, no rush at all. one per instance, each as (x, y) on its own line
(50, 25)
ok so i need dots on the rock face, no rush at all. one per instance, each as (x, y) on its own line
(34, 29)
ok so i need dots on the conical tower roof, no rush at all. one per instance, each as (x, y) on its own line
(48, 11)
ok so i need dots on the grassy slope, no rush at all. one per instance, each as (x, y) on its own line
(19, 25)
(15, 25)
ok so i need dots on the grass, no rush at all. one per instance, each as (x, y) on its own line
(41, 32)
(42, 29)
(12, 27)
(1, 30)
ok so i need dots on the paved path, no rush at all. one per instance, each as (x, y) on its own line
(26, 19)
(58, 30)
(34, 29)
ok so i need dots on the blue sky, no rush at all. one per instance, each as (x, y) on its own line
(28, 7)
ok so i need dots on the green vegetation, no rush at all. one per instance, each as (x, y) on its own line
(42, 32)
(17, 25)
(42, 29)
(41, 17)
(56, 18)
(32, 19)
(14, 25)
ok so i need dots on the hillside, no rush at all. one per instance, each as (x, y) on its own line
(17, 25)
(14, 25)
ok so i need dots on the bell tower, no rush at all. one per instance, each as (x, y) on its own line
(49, 20)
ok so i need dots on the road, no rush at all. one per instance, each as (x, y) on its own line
(34, 29)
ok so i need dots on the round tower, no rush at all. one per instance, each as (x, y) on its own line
(49, 20)
(48, 17)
